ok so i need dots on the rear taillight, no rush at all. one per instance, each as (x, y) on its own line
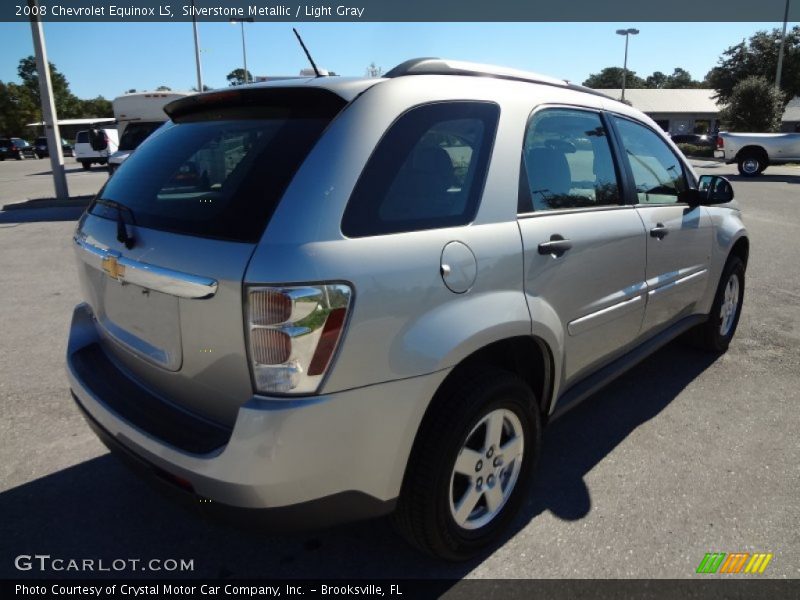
(720, 143)
(293, 333)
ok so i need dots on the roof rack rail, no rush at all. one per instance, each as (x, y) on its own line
(440, 66)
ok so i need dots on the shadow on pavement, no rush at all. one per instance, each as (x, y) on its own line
(44, 209)
(72, 169)
(99, 509)
(766, 178)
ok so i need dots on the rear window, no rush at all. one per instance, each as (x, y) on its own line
(220, 171)
(83, 137)
(427, 172)
(41, 141)
(136, 133)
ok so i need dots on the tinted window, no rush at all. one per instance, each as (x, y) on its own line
(657, 172)
(568, 163)
(83, 137)
(220, 172)
(136, 133)
(427, 171)
(42, 141)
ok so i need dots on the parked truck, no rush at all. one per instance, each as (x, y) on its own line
(138, 115)
(754, 152)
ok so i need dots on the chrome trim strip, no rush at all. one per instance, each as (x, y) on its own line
(672, 284)
(152, 277)
(605, 315)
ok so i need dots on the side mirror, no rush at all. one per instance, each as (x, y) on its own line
(98, 140)
(715, 189)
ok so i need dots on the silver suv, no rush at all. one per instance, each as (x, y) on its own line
(326, 299)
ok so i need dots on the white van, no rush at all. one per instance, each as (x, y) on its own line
(95, 146)
(137, 116)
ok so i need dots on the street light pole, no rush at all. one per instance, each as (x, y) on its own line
(49, 114)
(780, 52)
(244, 45)
(197, 51)
(626, 33)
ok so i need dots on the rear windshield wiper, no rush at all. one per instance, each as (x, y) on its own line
(123, 237)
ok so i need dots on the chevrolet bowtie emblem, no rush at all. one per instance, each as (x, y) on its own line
(112, 268)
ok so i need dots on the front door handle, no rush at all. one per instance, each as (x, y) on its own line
(659, 231)
(557, 246)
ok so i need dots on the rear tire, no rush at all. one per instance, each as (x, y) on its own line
(449, 507)
(751, 164)
(715, 335)
(86, 165)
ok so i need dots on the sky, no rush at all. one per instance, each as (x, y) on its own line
(110, 58)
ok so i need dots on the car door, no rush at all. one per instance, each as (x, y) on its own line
(678, 236)
(584, 249)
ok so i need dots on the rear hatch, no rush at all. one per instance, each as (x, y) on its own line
(165, 244)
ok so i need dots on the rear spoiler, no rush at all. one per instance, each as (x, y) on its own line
(305, 102)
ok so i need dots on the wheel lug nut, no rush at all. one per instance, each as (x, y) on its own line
(479, 465)
(497, 461)
(490, 452)
(479, 483)
(490, 480)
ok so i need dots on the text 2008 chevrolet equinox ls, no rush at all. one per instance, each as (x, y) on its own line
(336, 298)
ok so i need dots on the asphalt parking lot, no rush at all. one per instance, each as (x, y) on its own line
(30, 179)
(686, 454)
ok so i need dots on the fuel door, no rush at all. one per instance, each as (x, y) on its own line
(458, 267)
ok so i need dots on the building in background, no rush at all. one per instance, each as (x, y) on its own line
(677, 111)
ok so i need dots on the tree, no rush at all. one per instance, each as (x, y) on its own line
(131, 91)
(681, 78)
(753, 105)
(237, 77)
(96, 107)
(758, 56)
(67, 104)
(206, 88)
(611, 77)
(16, 109)
(656, 81)
(373, 70)
(163, 88)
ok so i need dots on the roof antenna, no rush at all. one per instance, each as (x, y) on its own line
(308, 54)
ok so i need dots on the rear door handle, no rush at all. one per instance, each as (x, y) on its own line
(557, 246)
(659, 231)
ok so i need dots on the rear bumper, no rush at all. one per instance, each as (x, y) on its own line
(323, 459)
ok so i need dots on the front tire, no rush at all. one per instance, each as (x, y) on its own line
(715, 335)
(471, 466)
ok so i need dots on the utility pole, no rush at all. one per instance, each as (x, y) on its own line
(197, 51)
(242, 21)
(627, 33)
(780, 52)
(49, 115)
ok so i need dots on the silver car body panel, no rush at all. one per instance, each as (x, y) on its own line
(190, 350)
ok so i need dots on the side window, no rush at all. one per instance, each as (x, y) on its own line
(657, 172)
(426, 172)
(568, 163)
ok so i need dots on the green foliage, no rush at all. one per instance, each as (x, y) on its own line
(754, 105)
(611, 77)
(237, 77)
(21, 104)
(759, 57)
(698, 151)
